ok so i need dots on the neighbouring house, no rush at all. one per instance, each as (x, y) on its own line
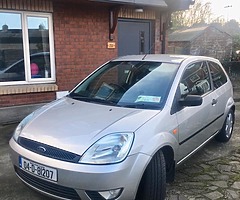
(206, 40)
(48, 46)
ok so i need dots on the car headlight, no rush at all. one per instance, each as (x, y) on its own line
(112, 148)
(21, 126)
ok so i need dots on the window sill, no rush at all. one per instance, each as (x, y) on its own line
(23, 89)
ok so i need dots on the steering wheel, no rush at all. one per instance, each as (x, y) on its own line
(118, 87)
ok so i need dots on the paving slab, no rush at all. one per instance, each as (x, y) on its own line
(211, 175)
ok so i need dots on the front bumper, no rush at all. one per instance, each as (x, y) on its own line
(81, 181)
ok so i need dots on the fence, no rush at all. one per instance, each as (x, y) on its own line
(233, 70)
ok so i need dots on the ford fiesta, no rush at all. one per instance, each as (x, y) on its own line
(122, 131)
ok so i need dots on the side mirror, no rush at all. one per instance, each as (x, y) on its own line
(191, 100)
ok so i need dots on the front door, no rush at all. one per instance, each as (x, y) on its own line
(133, 37)
(195, 123)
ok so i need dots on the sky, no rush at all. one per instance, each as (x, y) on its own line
(13, 21)
(229, 9)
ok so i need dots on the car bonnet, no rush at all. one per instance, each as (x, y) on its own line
(74, 125)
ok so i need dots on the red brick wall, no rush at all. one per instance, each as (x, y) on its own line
(23, 99)
(81, 33)
(81, 36)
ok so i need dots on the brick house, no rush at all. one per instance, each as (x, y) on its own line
(205, 40)
(48, 46)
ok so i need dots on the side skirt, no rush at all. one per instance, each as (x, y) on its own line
(195, 150)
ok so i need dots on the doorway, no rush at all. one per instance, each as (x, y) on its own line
(134, 37)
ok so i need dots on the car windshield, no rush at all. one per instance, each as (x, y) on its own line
(134, 84)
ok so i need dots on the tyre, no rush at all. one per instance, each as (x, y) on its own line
(153, 183)
(226, 132)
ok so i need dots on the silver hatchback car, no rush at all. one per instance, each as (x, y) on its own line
(122, 131)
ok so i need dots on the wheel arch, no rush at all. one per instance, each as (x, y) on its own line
(168, 156)
(167, 143)
(230, 105)
(168, 153)
(233, 108)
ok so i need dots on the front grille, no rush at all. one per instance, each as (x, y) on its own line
(46, 186)
(48, 151)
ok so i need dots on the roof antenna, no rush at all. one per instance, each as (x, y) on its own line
(143, 58)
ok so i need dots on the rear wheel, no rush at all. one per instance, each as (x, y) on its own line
(226, 132)
(153, 183)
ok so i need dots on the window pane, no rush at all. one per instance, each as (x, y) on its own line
(218, 76)
(38, 32)
(137, 84)
(195, 80)
(11, 48)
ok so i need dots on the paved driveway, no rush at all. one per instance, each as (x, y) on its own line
(212, 173)
(11, 188)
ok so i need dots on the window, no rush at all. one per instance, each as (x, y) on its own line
(218, 75)
(195, 80)
(26, 53)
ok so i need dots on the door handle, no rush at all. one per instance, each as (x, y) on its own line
(214, 102)
(142, 42)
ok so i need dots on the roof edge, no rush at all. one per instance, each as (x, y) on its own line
(155, 3)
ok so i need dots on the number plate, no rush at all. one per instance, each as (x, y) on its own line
(38, 169)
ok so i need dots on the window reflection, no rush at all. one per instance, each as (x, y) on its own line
(38, 33)
(13, 66)
(195, 80)
(11, 48)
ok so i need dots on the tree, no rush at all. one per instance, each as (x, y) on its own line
(197, 13)
(236, 48)
(219, 20)
(232, 27)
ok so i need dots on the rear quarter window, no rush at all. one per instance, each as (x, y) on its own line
(218, 76)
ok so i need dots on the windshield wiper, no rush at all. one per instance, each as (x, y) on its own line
(91, 99)
(75, 96)
(142, 106)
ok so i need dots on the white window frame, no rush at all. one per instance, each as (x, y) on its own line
(26, 51)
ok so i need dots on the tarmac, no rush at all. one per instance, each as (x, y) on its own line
(210, 174)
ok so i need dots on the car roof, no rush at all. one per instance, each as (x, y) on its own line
(21, 60)
(162, 58)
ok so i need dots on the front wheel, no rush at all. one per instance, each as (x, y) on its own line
(226, 132)
(153, 183)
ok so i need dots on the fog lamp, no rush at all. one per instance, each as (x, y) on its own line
(110, 194)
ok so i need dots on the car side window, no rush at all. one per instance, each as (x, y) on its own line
(195, 80)
(218, 75)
